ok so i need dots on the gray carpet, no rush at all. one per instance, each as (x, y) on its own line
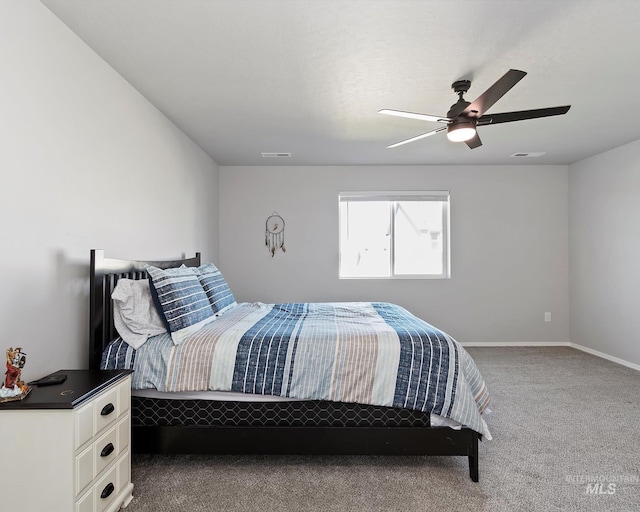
(561, 419)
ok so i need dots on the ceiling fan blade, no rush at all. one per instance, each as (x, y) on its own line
(474, 142)
(414, 115)
(494, 93)
(412, 139)
(521, 115)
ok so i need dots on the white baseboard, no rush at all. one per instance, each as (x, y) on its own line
(517, 344)
(606, 356)
(553, 344)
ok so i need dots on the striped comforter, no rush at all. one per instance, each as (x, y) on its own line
(371, 353)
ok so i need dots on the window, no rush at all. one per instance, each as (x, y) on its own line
(394, 235)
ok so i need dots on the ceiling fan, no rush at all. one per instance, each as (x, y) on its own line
(463, 117)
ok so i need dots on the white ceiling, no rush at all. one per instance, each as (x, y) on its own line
(242, 77)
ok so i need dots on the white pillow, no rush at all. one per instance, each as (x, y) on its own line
(134, 314)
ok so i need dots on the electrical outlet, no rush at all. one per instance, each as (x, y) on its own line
(547, 316)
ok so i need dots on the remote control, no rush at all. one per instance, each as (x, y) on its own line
(50, 380)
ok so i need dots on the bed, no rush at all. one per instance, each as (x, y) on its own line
(252, 412)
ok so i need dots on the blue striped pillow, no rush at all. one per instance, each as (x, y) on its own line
(216, 287)
(184, 303)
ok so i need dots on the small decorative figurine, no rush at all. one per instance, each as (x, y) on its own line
(13, 387)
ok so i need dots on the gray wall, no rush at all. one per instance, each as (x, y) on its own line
(509, 244)
(86, 162)
(604, 239)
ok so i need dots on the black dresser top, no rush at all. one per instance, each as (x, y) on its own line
(80, 386)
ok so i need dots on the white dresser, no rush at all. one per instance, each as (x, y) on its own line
(66, 448)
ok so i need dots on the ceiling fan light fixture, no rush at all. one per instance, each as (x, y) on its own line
(463, 117)
(461, 132)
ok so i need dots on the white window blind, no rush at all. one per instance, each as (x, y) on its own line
(394, 235)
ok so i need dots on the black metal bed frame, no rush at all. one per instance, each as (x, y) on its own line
(263, 439)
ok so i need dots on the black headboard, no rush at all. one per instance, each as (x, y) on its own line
(104, 275)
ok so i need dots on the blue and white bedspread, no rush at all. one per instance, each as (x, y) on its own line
(372, 353)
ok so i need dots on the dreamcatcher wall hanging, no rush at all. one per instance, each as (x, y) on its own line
(274, 233)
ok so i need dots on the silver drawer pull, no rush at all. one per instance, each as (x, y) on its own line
(107, 450)
(107, 409)
(106, 492)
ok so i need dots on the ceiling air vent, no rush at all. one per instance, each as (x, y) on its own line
(276, 155)
(528, 155)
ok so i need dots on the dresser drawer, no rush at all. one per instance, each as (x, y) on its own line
(106, 489)
(97, 457)
(106, 450)
(109, 488)
(107, 407)
(102, 494)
